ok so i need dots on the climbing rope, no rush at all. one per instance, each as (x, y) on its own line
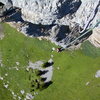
(83, 34)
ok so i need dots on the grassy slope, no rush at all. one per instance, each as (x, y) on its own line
(69, 82)
(90, 50)
(4, 93)
(15, 47)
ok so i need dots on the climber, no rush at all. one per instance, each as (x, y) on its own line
(59, 49)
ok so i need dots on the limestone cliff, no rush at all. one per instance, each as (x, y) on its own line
(84, 13)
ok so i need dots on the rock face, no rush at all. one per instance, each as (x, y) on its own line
(8, 3)
(88, 14)
(45, 12)
(97, 75)
(95, 37)
(83, 13)
(58, 11)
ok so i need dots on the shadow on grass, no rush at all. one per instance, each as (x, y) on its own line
(41, 72)
(48, 64)
(46, 85)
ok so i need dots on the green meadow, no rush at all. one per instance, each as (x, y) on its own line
(72, 70)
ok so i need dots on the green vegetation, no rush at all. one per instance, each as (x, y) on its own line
(4, 93)
(76, 68)
(35, 81)
(15, 47)
(90, 50)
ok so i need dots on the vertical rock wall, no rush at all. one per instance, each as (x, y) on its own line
(84, 13)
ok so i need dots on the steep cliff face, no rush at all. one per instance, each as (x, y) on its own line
(84, 13)
(88, 14)
(45, 12)
(58, 11)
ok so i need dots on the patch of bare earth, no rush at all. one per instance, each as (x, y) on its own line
(95, 37)
(1, 32)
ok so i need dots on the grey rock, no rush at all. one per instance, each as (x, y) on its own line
(54, 31)
(88, 14)
(60, 14)
(45, 12)
(97, 75)
(63, 12)
(7, 3)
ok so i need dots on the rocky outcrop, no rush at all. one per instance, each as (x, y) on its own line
(95, 37)
(82, 14)
(45, 12)
(7, 3)
(58, 11)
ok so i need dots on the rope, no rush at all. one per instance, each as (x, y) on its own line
(83, 34)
